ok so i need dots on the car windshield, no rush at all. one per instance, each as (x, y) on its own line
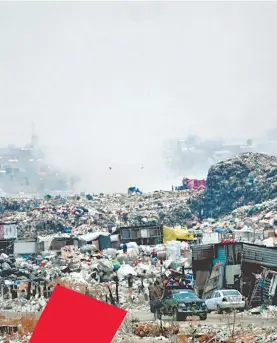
(230, 293)
(184, 295)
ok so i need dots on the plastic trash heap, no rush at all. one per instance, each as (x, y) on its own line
(249, 178)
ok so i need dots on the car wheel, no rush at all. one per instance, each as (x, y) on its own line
(219, 310)
(181, 317)
(203, 316)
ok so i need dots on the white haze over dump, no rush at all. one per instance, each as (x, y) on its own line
(107, 82)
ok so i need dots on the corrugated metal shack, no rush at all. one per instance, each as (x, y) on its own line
(56, 243)
(100, 240)
(8, 234)
(206, 257)
(142, 235)
(256, 254)
(250, 268)
(259, 267)
(8, 230)
(59, 242)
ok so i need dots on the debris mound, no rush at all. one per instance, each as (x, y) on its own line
(59, 215)
(246, 179)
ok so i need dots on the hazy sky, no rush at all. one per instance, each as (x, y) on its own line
(107, 82)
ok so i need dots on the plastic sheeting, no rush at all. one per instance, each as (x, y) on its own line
(173, 250)
(172, 234)
(125, 270)
(93, 236)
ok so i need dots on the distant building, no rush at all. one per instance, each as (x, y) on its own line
(23, 170)
(193, 155)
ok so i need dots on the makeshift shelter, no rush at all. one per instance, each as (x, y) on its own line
(101, 240)
(142, 234)
(55, 243)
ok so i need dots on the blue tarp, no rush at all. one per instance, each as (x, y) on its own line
(134, 190)
(180, 188)
(219, 230)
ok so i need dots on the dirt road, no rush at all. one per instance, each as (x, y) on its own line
(214, 319)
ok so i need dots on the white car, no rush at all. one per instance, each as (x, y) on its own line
(225, 299)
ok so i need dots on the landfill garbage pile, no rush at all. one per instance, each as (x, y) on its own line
(15, 205)
(53, 215)
(170, 208)
(259, 219)
(104, 276)
(19, 269)
(249, 178)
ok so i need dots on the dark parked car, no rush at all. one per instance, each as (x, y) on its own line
(179, 303)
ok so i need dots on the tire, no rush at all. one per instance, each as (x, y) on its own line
(182, 317)
(176, 316)
(203, 316)
(219, 310)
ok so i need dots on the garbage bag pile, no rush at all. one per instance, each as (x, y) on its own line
(85, 272)
(18, 269)
(241, 180)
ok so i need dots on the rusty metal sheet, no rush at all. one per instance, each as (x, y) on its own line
(202, 252)
(260, 255)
